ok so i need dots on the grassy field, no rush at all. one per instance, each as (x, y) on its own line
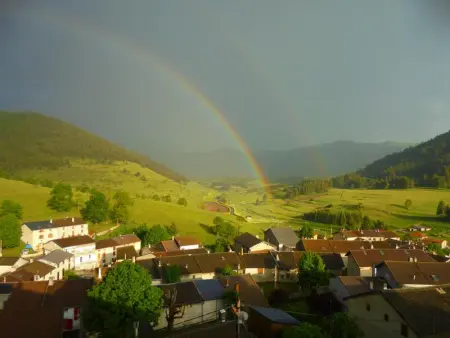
(386, 205)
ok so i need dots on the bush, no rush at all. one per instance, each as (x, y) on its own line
(277, 297)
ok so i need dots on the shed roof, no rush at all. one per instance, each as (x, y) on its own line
(209, 289)
(73, 241)
(276, 315)
(57, 256)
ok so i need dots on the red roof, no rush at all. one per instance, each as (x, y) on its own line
(418, 234)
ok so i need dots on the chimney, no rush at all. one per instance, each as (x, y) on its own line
(134, 259)
(414, 277)
(99, 276)
(73, 219)
(50, 281)
(31, 260)
(159, 263)
(186, 266)
(242, 250)
(173, 238)
(396, 246)
(227, 281)
(257, 236)
(239, 266)
(371, 245)
(410, 259)
(4, 279)
(277, 257)
(415, 259)
(371, 285)
(384, 286)
(51, 221)
(36, 277)
(125, 256)
(207, 250)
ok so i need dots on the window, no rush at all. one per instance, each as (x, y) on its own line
(260, 271)
(368, 307)
(404, 330)
(386, 317)
(41, 237)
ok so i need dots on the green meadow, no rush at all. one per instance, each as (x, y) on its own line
(142, 184)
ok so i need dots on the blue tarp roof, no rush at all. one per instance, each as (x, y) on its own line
(209, 288)
(276, 315)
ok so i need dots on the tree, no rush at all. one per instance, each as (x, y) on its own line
(312, 271)
(172, 229)
(408, 204)
(174, 309)
(306, 232)
(166, 198)
(227, 270)
(61, 197)
(343, 326)
(11, 207)
(441, 208)
(156, 198)
(226, 231)
(153, 235)
(172, 273)
(10, 231)
(96, 208)
(125, 296)
(78, 200)
(304, 330)
(119, 212)
(182, 201)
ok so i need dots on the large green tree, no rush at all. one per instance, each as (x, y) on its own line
(120, 210)
(11, 207)
(312, 271)
(124, 297)
(306, 232)
(61, 197)
(10, 231)
(441, 208)
(152, 235)
(96, 208)
(304, 330)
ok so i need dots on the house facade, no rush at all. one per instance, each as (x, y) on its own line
(9, 264)
(366, 235)
(106, 249)
(61, 260)
(33, 271)
(261, 266)
(38, 233)
(247, 242)
(81, 247)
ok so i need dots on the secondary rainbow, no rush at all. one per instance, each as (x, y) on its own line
(142, 54)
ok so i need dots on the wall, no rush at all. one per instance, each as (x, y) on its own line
(188, 247)
(268, 275)
(262, 246)
(270, 238)
(85, 256)
(27, 236)
(200, 311)
(372, 322)
(352, 267)
(38, 238)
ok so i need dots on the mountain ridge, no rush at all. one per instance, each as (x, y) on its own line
(30, 140)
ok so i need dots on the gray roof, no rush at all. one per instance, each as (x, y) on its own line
(276, 315)
(55, 223)
(209, 289)
(56, 256)
(8, 261)
(285, 236)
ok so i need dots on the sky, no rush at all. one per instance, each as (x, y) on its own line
(154, 75)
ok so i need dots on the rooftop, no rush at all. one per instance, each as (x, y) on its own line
(55, 223)
(186, 292)
(209, 289)
(187, 263)
(56, 256)
(8, 261)
(356, 285)
(180, 252)
(35, 309)
(287, 260)
(151, 266)
(170, 245)
(117, 241)
(420, 273)
(258, 260)
(285, 236)
(126, 252)
(367, 258)
(331, 246)
(369, 233)
(28, 271)
(186, 240)
(247, 240)
(276, 315)
(249, 290)
(215, 262)
(73, 241)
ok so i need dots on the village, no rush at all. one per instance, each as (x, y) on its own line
(384, 283)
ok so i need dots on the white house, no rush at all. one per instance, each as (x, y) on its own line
(82, 247)
(9, 264)
(61, 260)
(247, 242)
(38, 233)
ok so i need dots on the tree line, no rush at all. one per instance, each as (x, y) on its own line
(11, 214)
(308, 187)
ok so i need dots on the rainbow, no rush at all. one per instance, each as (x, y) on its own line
(142, 54)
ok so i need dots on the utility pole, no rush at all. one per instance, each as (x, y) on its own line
(237, 309)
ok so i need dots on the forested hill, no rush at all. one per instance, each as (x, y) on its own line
(419, 163)
(34, 141)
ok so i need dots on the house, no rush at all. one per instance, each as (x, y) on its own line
(365, 235)
(249, 291)
(261, 266)
(267, 322)
(420, 227)
(214, 263)
(413, 274)
(151, 265)
(107, 249)
(61, 260)
(187, 264)
(9, 264)
(417, 235)
(180, 243)
(82, 247)
(346, 286)
(400, 313)
(38, 233)
(285, 239)
(441, 243)
(197, 301)
(361, 262)
(247, 242)
(33, 271)
(187, 243)
(334, 263)
(44, 309)
(286, 265)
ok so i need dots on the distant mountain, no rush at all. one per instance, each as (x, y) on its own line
(34, 141)
(330, 159)
(420, 162)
